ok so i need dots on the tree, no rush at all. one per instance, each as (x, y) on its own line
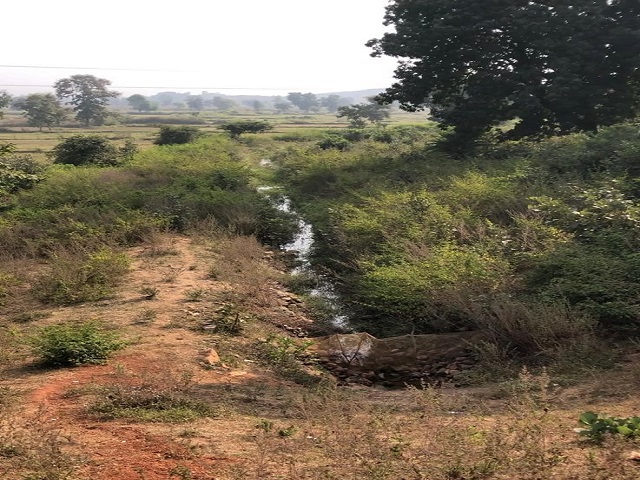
(361, 113)
(257, 105)
(235, 129)
(281, 105)
(331, 103)
(89, 96)
(42, 110)
(140, 103)
(556, 67)
(304, 101)
(222, 103)
(5, 100)
(196, 103)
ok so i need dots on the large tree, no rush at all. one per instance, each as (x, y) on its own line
(89, 96)
(42, 110)
(555, 66)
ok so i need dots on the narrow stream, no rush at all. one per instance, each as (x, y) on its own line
(301, 247)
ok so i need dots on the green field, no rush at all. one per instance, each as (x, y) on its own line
(142, 128)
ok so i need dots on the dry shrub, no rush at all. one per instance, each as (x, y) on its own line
(536, 328)
(34, 449)
(239, 262)
(426, 434)
(77, 276)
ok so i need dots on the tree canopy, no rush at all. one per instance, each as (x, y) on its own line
(235, 129)
(89, 96)
(304, 101)
(361, 113)
(556, 67)
(140, 103)
(42, 110)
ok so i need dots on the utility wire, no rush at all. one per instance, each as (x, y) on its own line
(95, 68)
(170, 87)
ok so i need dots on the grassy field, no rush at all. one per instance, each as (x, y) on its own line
(142, 128)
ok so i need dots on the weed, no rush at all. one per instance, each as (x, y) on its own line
(596, 427)
(74, 344)
(195, 294)
(149, 293)
(77, 277)
(146, 316)
(149, 402)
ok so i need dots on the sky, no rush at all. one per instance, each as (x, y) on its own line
(267, 47)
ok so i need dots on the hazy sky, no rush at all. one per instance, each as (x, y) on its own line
(284, 45)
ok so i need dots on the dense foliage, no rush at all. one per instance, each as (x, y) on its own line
(177, 135)
(528, 237)
(563, 66)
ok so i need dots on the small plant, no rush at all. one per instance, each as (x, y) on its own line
(149, 403)
(195, 294)
(74, 344)
(596, 427)
(147, 315)
(149, 293)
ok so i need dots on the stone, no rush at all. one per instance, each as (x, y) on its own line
(211, 357)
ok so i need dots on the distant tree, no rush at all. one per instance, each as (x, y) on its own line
(553, 66)
(89, 96)
(235, 129)
(257, 106)
(140, 103)
(304, 101)
(331, 103)
(177, 135)
(5, 100)
(195, 103)
(361, 113)
(42, 110)
(281, 105)
(222, 103)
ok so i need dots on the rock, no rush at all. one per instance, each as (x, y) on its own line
(633, 456)
(211, 357)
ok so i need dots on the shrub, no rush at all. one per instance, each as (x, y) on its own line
(18, 172)
(334, 141)
(74, 344)
(86, 150)
(81, 278)
(149, 403)
(172, 135)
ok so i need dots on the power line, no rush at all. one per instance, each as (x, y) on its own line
(94, 68)
(169, 87)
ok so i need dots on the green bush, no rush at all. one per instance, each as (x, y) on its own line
(74, 344)
(18, 172)
(77, 278)
(86, 150)
(172, 135)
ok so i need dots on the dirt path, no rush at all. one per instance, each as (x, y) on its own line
(117, 450)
